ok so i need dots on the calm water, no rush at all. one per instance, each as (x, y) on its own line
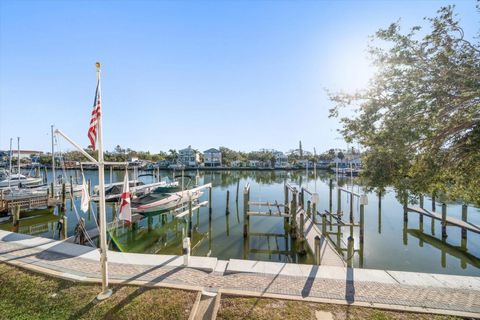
(388, 242)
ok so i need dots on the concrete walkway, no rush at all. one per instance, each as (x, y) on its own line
(419, 292)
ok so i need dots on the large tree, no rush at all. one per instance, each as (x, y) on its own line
(419, 118)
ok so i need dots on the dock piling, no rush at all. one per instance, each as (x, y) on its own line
(64, 233)
(464, 218)
(330, 195)
(309, 206)
(317, 251)
(339, 201)
(350, 252)
(227, 210)
(444, 220)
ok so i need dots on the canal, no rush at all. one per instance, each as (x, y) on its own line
(389, 243)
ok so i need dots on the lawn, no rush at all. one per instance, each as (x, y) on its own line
(27, 295)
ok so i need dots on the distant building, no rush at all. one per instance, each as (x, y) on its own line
(255, 163)
(189, 157)
(24, 154)
(281, 160)
(212, 158)
(237, 164)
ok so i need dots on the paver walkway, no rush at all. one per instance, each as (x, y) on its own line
(398, 290)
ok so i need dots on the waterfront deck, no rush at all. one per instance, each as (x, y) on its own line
(450, 220)
(328, 254)
(396, 290)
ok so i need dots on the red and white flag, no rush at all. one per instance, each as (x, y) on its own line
(96, 113)
(125, 209)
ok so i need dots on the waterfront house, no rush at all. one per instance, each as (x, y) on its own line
(189, 157)
(281, 160)
(254, 163)
(212, 158)
(237, 164)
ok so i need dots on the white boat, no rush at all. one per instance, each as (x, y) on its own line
(20, 180)
(114, 190)
(164, 201)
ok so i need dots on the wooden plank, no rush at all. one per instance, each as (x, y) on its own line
(450, 220)
(266, 214)
(329, 255)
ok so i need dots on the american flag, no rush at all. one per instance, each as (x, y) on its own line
(96, 112)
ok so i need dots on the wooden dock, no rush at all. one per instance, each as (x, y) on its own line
(449, 220)
(328, 254)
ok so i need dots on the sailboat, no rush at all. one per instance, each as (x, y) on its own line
(18, 180)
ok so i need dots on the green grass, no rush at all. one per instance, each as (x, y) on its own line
(27, 295)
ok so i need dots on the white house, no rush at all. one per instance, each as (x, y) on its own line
(254, 163)
(212, 158)
(188, 157)
(281, 160)
(237, 163)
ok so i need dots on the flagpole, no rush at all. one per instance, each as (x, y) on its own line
(106, 292)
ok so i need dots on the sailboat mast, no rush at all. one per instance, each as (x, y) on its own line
(10, 161)
(18, 146)
(53, 158)
(103, 220)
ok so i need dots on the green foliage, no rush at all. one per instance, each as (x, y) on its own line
(419, 119)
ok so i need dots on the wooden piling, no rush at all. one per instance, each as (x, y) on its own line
(64, 197)
(314, 212)
(324, 224)
(238, 187)
(421, 201)
(64, 233)
(309, 205)
(246, 219)
(227, 210)
(330, 205)
(464, 218)
(444, 220)
(16, 217)
(405, 209)
(339, 201)
(350, 252)
(52, 191)
(362, 222)
(351, 207)
(301, 199)
(90, 191)
(189, 216)
(317, 251)
(433, 202)
(71, 186)
(210, 200)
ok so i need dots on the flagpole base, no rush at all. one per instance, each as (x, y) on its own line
(104, 295)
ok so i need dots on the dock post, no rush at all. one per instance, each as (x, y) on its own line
(309, 207)
(324, 224)
(351, 207)
(362, 222)
(301, 199)
(64, 197)
(405, 209)
(464, 219)
(238, 187)
(186, 251)
(330, 205)
(293, 215)
(64, 234)
(433, 202)
(318, 257)
(227, 210)
(314, 212)
(189, 215)
(83, 232)
(339, 201)
(444, 220)
(51, 190)
(246, 220)
(421, 201)
(285, 191)
(300, 233)
(71, 186)
(89, 187)
(210, 200)
(16, 218)
(350, 252)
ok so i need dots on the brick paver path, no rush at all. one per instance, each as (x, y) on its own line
(461, 300)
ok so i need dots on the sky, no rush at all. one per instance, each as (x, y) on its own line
(241, 74)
